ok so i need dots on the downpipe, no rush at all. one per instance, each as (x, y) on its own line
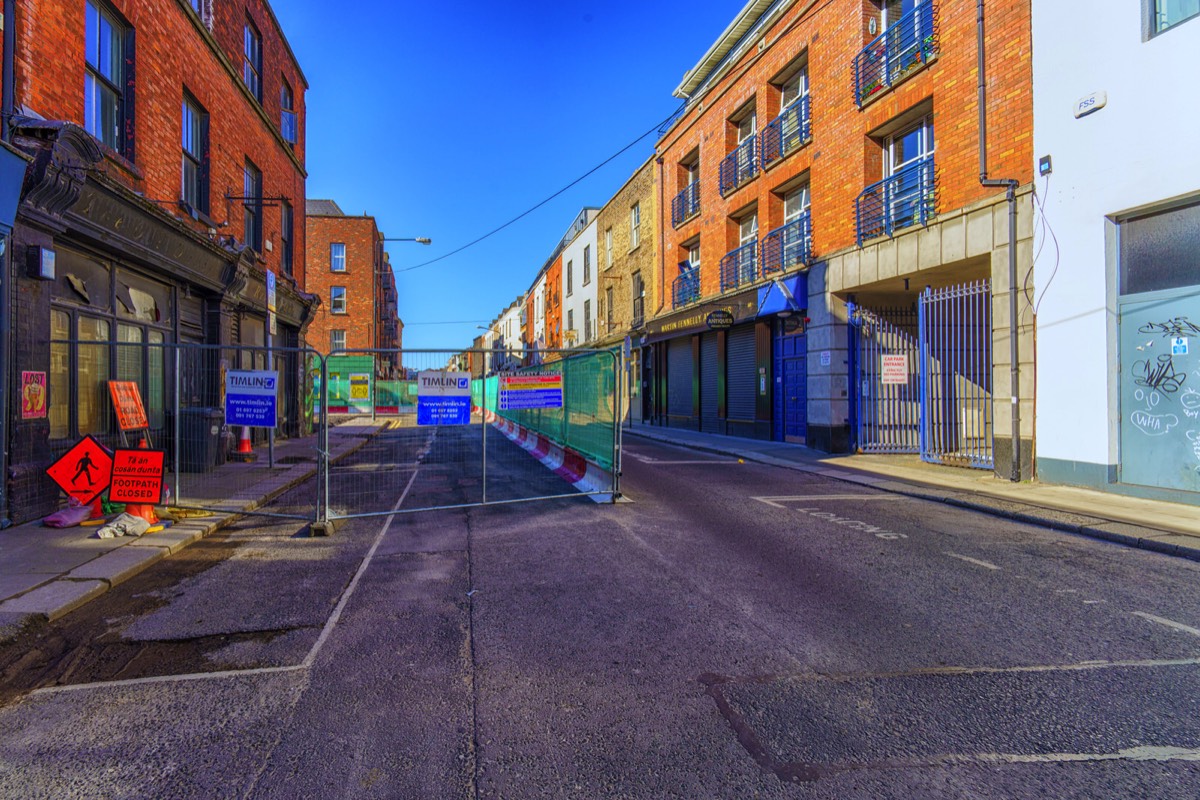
(1010, 185)
(8, 108)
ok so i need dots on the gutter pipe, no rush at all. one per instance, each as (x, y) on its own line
(1010, 186)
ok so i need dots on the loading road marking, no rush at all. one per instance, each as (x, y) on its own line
(663, 463)
(969, 560)
(309, 659)
(828, 516)
(1170, 623)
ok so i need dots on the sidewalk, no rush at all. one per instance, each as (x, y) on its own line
(47, 572)
(1172, 528)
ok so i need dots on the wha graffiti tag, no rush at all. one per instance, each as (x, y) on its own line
(1153, 424)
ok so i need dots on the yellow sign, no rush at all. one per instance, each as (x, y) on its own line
(360, 386)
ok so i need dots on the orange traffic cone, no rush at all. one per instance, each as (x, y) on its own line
(143, 510)
(97, 508)
(245, 450)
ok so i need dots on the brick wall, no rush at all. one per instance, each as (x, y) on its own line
(361, 237)
(174, 50)
(844, 157)
(641, 188)
(554, 312)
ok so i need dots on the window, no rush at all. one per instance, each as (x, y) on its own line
(570, 319)
(635, 225)
(587, 320)
(1169, 13)
(694, 255)
(252, 191)
(587, 264)
(608, 308)
(252, 61)
(337, 257)
(608, 257)
(286, 233)
(337, 299)
(746, 127)
(106, 113)
(570, 277)
(337, 340)
(748, 229)
(1157, 250)
(907, 157)
(288, 125)
(639, 300)
(195, 155)
(795, 203)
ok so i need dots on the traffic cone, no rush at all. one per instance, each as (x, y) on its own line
(97, 508)
(245, 450)
(143, 510)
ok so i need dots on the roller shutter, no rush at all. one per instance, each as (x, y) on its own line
(741, 373)
(708, 383)
(679, 377)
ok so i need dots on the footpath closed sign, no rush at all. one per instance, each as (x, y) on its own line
(520, 392)
(137, 476)
(443, 398)
(251, 397)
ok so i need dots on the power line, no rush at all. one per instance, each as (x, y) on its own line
(656, 129)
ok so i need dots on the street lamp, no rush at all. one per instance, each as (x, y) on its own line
(375, 287)
(418, 240)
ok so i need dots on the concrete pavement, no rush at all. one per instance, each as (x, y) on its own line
(1172, 528)
(48, 572)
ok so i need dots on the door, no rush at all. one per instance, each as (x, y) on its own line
(679, 378)
(709, 371)
(741, 376)
(791, 383)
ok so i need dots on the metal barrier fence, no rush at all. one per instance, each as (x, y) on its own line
(182, 390)
(587, 422)
(424, 456)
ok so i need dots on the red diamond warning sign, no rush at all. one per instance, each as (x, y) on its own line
(84, 471)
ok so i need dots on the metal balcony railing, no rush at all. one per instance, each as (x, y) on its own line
(685, 204)
(788, 246)
(686, 288)
(738, 167)
(639, 313)
(788, 132)
(739, 266)
(907, 45)
(909, 197)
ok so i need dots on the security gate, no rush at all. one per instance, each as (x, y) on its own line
(922, 377)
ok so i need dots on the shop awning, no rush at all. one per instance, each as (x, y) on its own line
(784, 294)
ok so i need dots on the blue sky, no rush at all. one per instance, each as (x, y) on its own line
(448, 120)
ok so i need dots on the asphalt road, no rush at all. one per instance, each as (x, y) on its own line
(735, 631)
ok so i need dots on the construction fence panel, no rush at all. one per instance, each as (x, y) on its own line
(181, 388)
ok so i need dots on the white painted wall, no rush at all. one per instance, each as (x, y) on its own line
(581, 292)
(539, 310)
(1139, 150)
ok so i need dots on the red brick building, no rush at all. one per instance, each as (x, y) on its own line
(803, 173)
(166, 179)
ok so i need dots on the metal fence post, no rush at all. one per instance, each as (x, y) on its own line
(178, 425)
(484, 426)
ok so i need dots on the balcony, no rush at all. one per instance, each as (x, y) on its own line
(739, 266)
(639, 313)
(686, 204)
(739, 167)
(787, 133)
(903, 48)
(788, 246)
(904, 199)
(686, 288)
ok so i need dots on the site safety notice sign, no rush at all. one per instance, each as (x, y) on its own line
(530, 391)
(137, 476)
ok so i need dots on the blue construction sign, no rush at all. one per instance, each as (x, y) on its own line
(251, 397)
(443, 398)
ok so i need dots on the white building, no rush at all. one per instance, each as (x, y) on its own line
(1117, 275)
(580, 280)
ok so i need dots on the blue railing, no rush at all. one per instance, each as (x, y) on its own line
(788, 132)
(739, 266)
(907, 198)
(686, 288)
(788, 246)
(686, 203)
(910, 43)
(738, 167)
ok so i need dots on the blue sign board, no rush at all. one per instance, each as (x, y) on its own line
(251, 398)
(443, 410)
(531, 398)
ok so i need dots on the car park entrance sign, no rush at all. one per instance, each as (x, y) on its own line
(443, 398)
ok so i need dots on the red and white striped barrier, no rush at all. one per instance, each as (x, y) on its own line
(584, 475)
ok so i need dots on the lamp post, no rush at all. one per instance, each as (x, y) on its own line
(375, 283)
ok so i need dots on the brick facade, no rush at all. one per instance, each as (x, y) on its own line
(115, 218)
(368, 281)
(642, 189)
